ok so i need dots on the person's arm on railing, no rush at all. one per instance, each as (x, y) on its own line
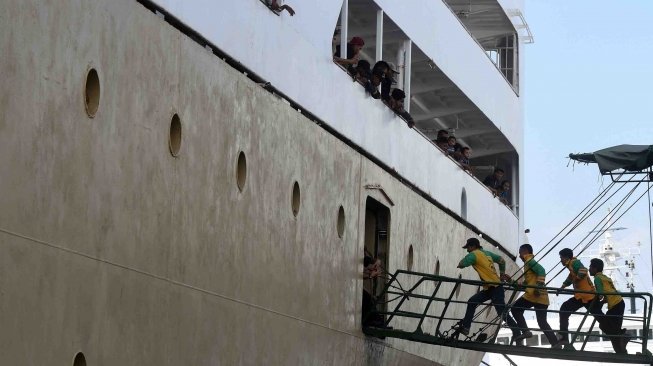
(467, 261)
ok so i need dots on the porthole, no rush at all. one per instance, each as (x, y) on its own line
(79, 359)
(459, 286)
(341, 222)
(296, 199)
(241, 171)
(409, 265)
(174, 141)
(92, 93)
(463, 204)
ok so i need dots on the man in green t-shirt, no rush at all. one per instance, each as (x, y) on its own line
(611, 322)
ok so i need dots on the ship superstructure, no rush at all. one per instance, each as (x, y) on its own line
(195, 182)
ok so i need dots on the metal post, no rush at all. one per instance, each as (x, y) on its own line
(379, 35)
(408, 59)
(344, 28)
(632, 300)
(401, 56)
(513, 190)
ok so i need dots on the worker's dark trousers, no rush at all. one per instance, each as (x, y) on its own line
(611, 325)
(496, 295)
(572, 305)
(518, 309)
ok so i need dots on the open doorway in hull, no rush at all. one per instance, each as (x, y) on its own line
(377, 235)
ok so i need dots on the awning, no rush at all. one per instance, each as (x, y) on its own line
(627, 157)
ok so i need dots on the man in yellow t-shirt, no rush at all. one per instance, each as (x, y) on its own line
(534, 275)
(483, 262)
(579, 278)
(614, 317)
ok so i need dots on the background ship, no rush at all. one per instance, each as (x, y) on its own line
(194, 182)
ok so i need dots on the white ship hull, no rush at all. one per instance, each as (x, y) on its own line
(112, 247)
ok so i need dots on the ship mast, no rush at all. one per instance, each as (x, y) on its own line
(610, 255)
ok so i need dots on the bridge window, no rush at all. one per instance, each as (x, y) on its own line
(503, 340)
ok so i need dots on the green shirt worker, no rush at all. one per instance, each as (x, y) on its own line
(614, 317)
(534, 275)
(483, 262)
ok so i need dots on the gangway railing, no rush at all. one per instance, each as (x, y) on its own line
(419, 308)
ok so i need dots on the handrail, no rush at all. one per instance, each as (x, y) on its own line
(412, 320)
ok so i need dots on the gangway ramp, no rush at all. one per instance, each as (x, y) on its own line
(421, 311)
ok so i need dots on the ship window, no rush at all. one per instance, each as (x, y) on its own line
(503, 340)
(459, 286)
(410, 258)
(79, 359)
(296, 199)
(92, 93)
(533, 341)
(174, 142)
(594, 336)
(544, 341)
(463, 204)
(341, 222)
(241, 171)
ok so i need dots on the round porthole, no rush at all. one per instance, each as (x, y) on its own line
(296, 199)
(409, 263)
(174, 141)
(341, 222)
(459, 286)
(241, 171)
(92, 93)
(79, 359)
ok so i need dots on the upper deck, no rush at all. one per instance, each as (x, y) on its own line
(458, 67)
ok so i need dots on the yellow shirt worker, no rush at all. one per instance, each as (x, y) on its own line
(483, 263)
(534, 275)
(614, 317)
(579, 278)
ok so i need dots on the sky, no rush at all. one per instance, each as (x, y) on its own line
(588, 85)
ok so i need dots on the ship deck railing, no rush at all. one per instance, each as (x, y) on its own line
(418, 307)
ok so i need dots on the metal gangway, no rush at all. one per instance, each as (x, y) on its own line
(418, 307)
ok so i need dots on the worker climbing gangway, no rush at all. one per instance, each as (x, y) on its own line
(426, 308)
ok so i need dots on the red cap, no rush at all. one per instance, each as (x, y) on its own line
(357, 41)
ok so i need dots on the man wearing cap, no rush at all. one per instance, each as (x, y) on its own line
(483, 262)
(579, 278)
(396, 103)
(353, 52)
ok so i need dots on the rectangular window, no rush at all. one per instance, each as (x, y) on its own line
(533, 341)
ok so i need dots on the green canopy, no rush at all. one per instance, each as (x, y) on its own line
(627, 157)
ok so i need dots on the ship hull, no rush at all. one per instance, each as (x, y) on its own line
(111, 246)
